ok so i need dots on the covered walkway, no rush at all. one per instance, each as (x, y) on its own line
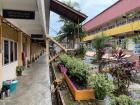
(33, 87)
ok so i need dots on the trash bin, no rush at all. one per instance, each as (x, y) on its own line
(6, 85)
(13, 86)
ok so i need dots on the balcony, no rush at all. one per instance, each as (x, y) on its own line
(128, 26)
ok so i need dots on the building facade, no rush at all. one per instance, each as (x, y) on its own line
(24, 32)
(121, 21)
(19, 21)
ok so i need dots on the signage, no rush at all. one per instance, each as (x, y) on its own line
(18, 14)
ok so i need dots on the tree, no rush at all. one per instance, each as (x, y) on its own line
(70, 29)
(100, 43)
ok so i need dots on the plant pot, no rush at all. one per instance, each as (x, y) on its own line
(19, 73)
(29, 65)
(100, 102)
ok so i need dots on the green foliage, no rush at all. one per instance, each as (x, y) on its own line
(102, 85)
(123, 72)
(28, 62)
(20, 68)
(121, 100)
(70, 29)
(94, 59)
(137, 102)
(100, 43)
(136, 39)
(81, 51)
(78, 70)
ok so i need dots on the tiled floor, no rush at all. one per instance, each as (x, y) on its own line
(33, 87)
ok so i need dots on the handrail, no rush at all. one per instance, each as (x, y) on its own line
(62, 47)
(54, 57)
(53, 40)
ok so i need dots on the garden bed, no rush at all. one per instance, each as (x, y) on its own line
(78, 94)
(84, 94)
(66, 92)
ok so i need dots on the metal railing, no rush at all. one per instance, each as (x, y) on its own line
(116, 24)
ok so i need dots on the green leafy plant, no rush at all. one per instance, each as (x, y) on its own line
(123, 72)
(121, 100)
(77, 70)
(28, 62)
(81, 51)
(19, 70)
(100, 43)
(102, 85)
(137, 102)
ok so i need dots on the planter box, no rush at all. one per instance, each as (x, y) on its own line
(85, 94)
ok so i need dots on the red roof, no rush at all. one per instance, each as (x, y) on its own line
(119, 8)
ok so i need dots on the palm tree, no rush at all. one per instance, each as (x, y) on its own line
(70, 29)
(100, 43)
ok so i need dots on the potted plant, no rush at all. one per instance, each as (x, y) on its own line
(28, 63)
(121, 100)
(19, 70)
(102, 86)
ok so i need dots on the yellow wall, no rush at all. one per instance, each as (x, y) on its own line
(36, 49)
(9, 32)
(117, 30)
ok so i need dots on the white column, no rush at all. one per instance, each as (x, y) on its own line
(1, 75)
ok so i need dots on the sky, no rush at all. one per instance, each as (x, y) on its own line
(89, 7)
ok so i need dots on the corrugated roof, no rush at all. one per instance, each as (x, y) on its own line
(66, 11)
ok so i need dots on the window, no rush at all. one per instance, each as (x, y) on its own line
(15, 46)
(10, 51)
(6, 52)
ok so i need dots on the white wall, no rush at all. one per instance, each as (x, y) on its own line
(9, 71)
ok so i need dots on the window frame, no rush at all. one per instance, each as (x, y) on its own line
(9, 44)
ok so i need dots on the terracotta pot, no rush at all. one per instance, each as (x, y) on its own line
(100, 102)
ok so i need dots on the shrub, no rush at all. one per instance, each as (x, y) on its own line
(20, 68)
(81, 51)
(137, 102)
(100, 43)
(123, 72)
(77, 69)
(28, 62)
(121, 100)
(102, 85)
